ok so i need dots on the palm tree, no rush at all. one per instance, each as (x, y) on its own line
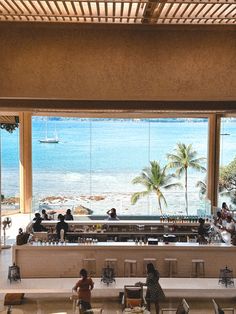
(183, 158)
(154, 179)
(202, 188)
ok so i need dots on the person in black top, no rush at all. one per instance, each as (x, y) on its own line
(112, 214)
(203, 231)
(37, 227)
(22, 237)
(62, 225)
(68, 215)
(37, 216)
(44, 215)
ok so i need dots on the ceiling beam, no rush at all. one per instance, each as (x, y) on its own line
(19, 104)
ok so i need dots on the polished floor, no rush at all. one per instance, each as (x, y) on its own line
(45, 305)
(53, 304)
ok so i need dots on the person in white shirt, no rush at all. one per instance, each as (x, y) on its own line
(230, 225)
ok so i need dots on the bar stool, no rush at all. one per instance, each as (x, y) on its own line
(112, 263)
(148, 261)
(130, 267)
(90, 265)
(198, 268)
(172, 266)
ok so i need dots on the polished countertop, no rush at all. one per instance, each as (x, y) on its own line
(121, 222)
(130, 245)
(173, 287)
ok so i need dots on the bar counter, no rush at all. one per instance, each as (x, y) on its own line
(66, 260)
(173, 287)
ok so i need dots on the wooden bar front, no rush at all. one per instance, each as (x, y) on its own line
(44, 261)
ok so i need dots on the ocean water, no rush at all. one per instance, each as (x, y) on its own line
(100, 157)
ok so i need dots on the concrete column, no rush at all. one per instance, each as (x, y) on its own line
(25, 162)
(213, 158)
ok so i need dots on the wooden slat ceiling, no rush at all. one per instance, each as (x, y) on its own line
(7, 119)
(203, 12)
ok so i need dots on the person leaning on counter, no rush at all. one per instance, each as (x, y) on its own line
(112, 214)
(230, 225)
(203, 231)
(62, 225)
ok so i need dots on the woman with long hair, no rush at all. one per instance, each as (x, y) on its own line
(83, 287)
(153, 288)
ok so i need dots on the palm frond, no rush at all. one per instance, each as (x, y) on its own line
(197, 166)
(173, 185)
(162, 198)
(136, 196)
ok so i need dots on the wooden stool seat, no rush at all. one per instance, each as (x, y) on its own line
(198, 268)
(146, 261)
(90, 265)
(172, 266)
(130, 267)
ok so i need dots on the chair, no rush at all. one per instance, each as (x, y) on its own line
(183, 308)
(75, 300)
(94, 311)
(11, 299)
(133, 296)
(130, 268)
(219, 310)
(172, 264)
(90, 265)
(198, 268)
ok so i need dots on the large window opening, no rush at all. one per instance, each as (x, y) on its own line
(10, 190)
(92, 165)
(227, 180)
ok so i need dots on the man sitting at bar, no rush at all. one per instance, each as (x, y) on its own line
(37, 227)
(62, 225)
(202, 231)
(230, 225)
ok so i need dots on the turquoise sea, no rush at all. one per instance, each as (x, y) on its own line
(100, 157)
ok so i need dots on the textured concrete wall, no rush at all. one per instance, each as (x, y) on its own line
(116, 63)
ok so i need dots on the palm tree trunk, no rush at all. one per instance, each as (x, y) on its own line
(159, 203)
(186, 191)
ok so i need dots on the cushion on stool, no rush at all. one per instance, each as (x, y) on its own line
(13, 298)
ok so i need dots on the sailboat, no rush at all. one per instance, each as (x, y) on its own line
(47, 139)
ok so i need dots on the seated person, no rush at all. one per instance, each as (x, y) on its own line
(44, 215)
(59, 216)
(62, 225)
(37, 216)
(202, 231)
(68, 215)
(230, 225)
(37, 227)
(233, 240)
(224, 210)
(112, 214)
(22, 237)
(84, 287)
(218, 219)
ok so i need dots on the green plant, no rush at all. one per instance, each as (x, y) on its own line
(185, 157)
(227, 180)
(155, 179)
